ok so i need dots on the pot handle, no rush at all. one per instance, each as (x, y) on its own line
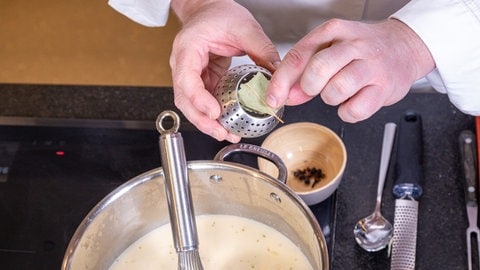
(256, 150)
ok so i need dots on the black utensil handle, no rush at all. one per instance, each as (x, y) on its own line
(468, 156)
(409, 161)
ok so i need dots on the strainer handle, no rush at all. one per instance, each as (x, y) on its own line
(256, 150)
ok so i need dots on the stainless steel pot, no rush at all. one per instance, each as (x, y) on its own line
(217, 187)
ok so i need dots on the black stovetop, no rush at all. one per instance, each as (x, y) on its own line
(47, 193)
(51, 177)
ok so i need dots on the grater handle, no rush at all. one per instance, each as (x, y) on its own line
(409, 161)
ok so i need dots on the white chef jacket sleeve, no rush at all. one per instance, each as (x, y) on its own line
(152, 13)
(451, 31)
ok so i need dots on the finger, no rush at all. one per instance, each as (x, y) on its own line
(363, 104)
(297, 96)
(267, 56)
(233, 138)
(287, 74)
(201, 108)
(208, 126)
(296, 60)
(188, 84)
(258, 46)
(204, 124)
(191, 97)
(324, 65)
(347, 82)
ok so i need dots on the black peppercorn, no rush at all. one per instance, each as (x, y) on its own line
(309, 176)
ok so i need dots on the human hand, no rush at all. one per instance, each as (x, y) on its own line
(212, 32)
(358, 66)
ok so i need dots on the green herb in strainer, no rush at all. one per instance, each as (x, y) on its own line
(252, 96)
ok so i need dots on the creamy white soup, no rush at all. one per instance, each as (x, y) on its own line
(226, 242)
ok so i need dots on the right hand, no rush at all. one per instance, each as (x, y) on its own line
(359, 67)
(212, 33)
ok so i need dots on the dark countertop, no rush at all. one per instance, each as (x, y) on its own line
(84, 102)
(442, 217)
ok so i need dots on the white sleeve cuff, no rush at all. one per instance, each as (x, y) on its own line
(451, 31)
(152, 13)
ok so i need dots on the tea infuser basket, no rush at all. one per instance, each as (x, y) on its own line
(234, 117)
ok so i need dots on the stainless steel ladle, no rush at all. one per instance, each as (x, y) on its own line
(374, 232)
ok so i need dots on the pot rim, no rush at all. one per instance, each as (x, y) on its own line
(194, 165)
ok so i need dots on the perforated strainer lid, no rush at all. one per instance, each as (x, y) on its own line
(234, 117)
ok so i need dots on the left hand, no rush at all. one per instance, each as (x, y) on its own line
(213, 31)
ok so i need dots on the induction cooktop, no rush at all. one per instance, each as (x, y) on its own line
(52, 175)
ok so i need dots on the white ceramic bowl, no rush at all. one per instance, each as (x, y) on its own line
(307, 145)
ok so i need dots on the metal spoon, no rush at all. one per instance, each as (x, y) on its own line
(374, 232)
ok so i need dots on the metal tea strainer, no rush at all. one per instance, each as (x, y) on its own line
(233, 117)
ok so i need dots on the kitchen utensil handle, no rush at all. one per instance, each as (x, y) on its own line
(387, 144)
(409, 160)
(177, 185)
(468, 156)
(477, 128)
(256, 150)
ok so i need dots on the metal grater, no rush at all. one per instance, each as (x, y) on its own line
(404, 234)
(407, 190)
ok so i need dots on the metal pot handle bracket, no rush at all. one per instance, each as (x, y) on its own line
(256, 150)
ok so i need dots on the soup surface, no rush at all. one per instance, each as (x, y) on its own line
(226, 242)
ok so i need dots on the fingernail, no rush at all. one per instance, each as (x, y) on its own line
(214, 134)
(271, 101)
(232, 138)
(210, 115)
